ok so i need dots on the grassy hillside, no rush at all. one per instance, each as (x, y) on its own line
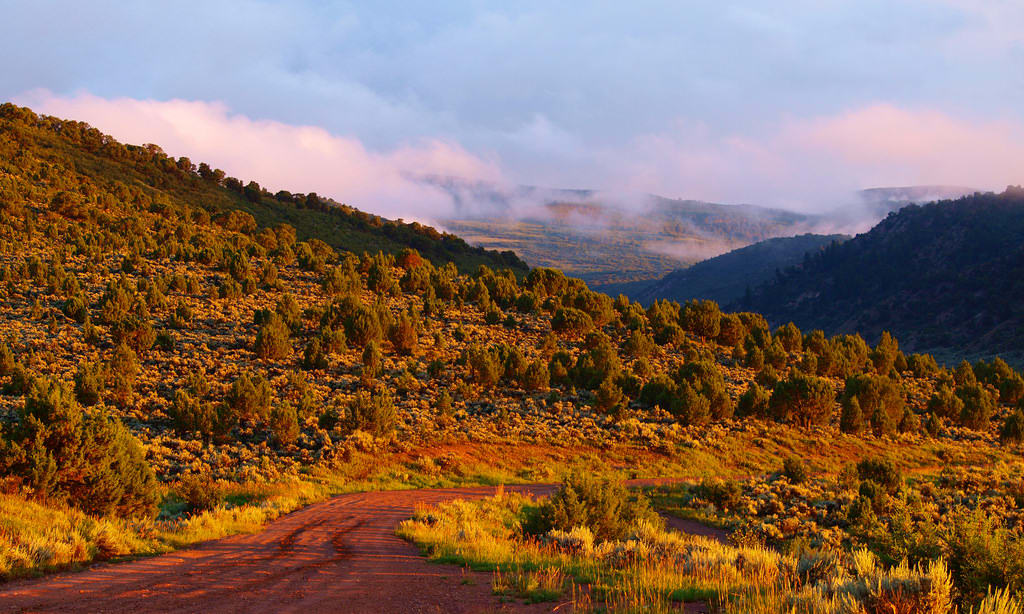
(945, 277)
(169, 376)
(726, 279)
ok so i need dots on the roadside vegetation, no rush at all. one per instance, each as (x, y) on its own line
(628, 562)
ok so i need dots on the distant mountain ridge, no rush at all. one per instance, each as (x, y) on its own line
(726, 278)
(603, 240)
(944, 275)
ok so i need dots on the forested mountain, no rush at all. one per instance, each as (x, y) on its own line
(78, 155)
(947, 276)
(726, 278)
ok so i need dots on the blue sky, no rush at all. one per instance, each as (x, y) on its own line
(787, 103)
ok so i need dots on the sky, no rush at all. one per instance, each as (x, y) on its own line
(785, 104)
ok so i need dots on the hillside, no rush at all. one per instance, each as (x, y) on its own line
(725, 279)
(601, 242)
(78, 153)
(946, 277)
(173, 371)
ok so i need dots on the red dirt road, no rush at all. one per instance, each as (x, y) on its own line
(337, 556)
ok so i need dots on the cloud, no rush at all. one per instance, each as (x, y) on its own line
(886, 145)
(737, 102)
(809, 164)
(282, 156)
(817, 162)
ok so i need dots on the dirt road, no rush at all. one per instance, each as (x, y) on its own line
(337, 556)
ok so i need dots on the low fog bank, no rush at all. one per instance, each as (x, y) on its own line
(707, 227)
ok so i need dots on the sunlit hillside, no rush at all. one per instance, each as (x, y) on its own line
(174, 371)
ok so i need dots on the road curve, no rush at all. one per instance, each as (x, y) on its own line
(340, 555)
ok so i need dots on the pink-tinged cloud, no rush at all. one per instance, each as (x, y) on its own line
(809, 163)
(888, 144)
(281, 156)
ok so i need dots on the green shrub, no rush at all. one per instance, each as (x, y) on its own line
(598, 363)
(945, 404)
(922, 365)
(284, 424)
(135, 329)
(803, 400)
(333, 340)
(527, 302)
(165, 340)
(89, 382)
(373, 360)
(881, 471)
(88, 459)
(273, 341)
(691, 407)
(790, 337)
(374, 413)
(638, 344)
(362, 326)
(978, 406)
(571, 321)
(885, 354)
(20, 382)
(608, 398)
(444, 404)
(725, 495)
(731, 330)
(754, 359)
(485, 366)
(76, 308)
(1011, 389)
(181, 317)
(851, 417)
(192, 415)
(982, 555)
(1013, 427)
(250, 396)
(403, 334)
(313, 356)
(670, 334)
(536, 376)
(702, 318)
(705, 377)
(795, 470)
(879, 399)
(122, 369)
(288, 308)
(199, 492)
(964, 374)
(603, 506)
(660, 391)
(343, 278)
(753, 402)
(7, 360)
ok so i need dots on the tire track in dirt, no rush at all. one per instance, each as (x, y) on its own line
(340, 555)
